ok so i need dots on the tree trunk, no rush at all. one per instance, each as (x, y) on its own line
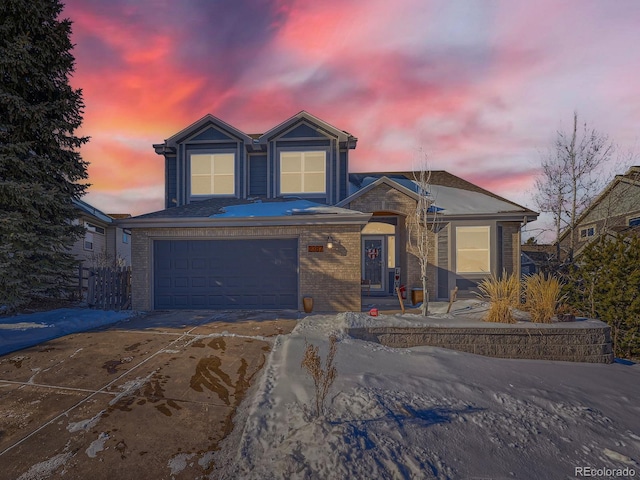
(425, 297)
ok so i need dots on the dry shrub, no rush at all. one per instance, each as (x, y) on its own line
(323, 377)
(542, 295)
(503, 294)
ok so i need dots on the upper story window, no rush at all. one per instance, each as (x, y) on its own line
(587, 232)
(303, 172)
(94, 228)
(472, 250)
(88, 241)
(634, 221)
(213, 174)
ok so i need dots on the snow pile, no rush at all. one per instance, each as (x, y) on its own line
(431, 413)
(22, 331)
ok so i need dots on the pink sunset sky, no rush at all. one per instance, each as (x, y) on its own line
(482, 86)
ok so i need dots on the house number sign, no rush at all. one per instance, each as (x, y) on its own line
(315, 248)
(373, 253)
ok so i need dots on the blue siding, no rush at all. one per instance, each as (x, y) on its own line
(211, 134)
(171, 182)
(302, 144)
(303, 131)
(211, 146)
(342, 181)
(258, 175)
(257, 163)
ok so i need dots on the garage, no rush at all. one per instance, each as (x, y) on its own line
(225, 274)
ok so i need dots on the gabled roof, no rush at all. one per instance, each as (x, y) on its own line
(200, 125)
(342, 135)
(92, 211)
(631, 177)
(254, 138)
(453, 196)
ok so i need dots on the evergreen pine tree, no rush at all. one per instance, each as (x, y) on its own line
(605, 285)
(40, 166)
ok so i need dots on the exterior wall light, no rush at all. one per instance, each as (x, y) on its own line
(330, 242)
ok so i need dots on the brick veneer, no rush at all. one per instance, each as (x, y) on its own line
(384, 198)
(331, 277)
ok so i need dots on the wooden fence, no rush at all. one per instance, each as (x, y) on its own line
(106, 288)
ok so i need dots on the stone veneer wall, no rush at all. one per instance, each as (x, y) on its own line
(331, 277)
(576, 344)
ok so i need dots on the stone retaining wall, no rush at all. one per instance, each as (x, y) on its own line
(576, 344)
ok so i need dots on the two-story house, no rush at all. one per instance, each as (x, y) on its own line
(263, 220)
(615, 210)
(104, 241)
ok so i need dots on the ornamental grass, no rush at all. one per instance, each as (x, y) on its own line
(543, 295)
(503, 294)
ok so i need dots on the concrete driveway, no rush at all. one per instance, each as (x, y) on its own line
(148, 398)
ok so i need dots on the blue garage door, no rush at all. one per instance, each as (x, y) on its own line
(221, 274)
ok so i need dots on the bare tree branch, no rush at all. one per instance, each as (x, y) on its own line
(421, 228)
(571, 176)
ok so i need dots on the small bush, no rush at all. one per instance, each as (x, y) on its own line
(322, 377)
(543, 294)
(503, 294)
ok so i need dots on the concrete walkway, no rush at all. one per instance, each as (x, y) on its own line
(149, 398)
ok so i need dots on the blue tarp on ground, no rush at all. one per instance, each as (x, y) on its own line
(22, 331)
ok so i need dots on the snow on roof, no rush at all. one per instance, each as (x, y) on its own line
(281, 209)
(448, 199)
(456, 201)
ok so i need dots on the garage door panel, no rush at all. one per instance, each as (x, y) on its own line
(226, 273)
(199, 301)
(180, 301)
(286, 298)
(180, 264)
(252, 300)
(199, 264)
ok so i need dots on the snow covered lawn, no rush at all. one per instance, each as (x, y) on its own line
(22, 331)
(427, 412)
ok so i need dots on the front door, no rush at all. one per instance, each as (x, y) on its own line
(374, 264)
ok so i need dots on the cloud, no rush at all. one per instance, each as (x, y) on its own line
(482, 87)
(134, 201)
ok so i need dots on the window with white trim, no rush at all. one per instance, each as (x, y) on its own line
(303, 172)
(634, 221)
(473, 254)
(213, 174)
(88, 241)
(587, 232)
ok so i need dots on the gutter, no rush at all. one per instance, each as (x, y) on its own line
(522, 217)
(289, 220)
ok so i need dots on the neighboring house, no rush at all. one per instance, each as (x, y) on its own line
(537, 258)
(261, 221)
(615, 210)
(103, 240)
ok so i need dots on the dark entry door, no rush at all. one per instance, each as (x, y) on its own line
(221, 274)
(374, 264)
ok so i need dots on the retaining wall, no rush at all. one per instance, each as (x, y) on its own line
(589, 342)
